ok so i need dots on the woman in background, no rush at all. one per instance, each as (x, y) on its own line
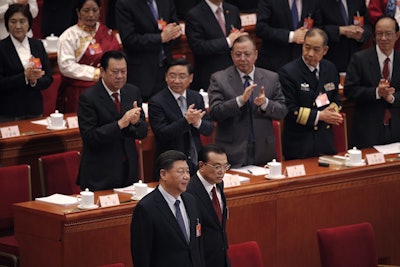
(80, 49)
(24, 68)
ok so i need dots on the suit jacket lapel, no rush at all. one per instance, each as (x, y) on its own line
(396, 70)
(235, 80)
(146, 9)
(193, 219)
(106, 100)
(14, 57)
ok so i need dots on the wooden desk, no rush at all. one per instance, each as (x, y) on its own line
(281, 215)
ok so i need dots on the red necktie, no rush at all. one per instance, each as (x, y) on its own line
(116, 101)
(386, 76)
(216, 205)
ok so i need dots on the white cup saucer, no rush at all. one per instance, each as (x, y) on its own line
(94, 206)
(268, 176)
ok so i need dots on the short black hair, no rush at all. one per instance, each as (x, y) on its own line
(209, 148)
(181, 62)
(396, 27)
(314, 31)
(244, 38)
(79, 3)
(18, 8)
(115, 54)
(166, 161)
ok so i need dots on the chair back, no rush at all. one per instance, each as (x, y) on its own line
(113, 265)
(348, 246)
(15, 186)
(58, 173)
(278, 139)
(340, 135)
(245, 254)
(50, 95)
(139, 151)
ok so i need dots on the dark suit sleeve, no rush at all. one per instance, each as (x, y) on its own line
(276, 108)
(141, 237)
(264, 30)
(126, 20)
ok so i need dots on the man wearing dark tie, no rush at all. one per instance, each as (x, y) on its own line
(207, 187)
(373, 82)
(310, 86)
(244, 100)
(177, 115)
(166, 226)
(110, 119)
(211, 28)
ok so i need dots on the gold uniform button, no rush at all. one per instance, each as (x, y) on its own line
(315, 128)
(328, 126)
(296, 113)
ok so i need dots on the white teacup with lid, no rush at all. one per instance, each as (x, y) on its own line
(52, 43)
(56, 120)
(275, 169)
(86, 199)
(140, 189)
(353, 156)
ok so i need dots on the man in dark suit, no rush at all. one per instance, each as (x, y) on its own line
(209, 40)
(175, 126)
(208, 188)
(146, 28)
(376, 89)
(282, 35)
(244, 100)
(166, 226)
(346, 35)
(310, 86)
(110, 119)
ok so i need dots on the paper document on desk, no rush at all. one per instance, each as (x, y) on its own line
(252, 169)
(40, 122)
(336, 160)
(393, 148)
(59, 199)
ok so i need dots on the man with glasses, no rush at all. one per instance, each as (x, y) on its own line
(166, 225)
(207, 187)
(244, 100)
(373, 82)
(110, 119)
(177, 115)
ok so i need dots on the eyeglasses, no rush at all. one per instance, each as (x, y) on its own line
(180, 77)
(388, 35)
(240, 54)
(219, 167)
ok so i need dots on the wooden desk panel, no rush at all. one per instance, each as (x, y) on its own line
(281, 215)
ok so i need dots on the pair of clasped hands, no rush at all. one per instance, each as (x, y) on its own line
(385, 91)
(193, 116)
(259, 100)
(132, 116)
(170, 32)
(34, 71)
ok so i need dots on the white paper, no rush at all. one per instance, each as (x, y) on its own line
(252, 169)
(59, 199)
(130, 190)
(41, 122)
(393, 148)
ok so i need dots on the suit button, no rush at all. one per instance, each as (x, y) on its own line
(296, 113)
(328, 126)
(315, 128)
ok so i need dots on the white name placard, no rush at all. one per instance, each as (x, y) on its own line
(10, 131)
(296, 170)
(73, 122)
(375, 158)
(109, 200)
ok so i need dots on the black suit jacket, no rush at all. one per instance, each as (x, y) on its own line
(215, 242)
(309, 140)
(362, 78)
(141, 40)
(342, 48)
(109, 158)
(170, 128)
(208, 42)
(274, 22)
(157, 240)
(16, 97)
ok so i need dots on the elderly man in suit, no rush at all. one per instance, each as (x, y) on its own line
(207, 187)
(177, 115)
(110, 119)
(373, 82)
(281, 26)
(166, 226)
(211, 28)
(147, 27)
(310, 84)
(244, 100)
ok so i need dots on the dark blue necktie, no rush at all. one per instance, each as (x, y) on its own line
(153, 9)
(391, 8)
(344, 13)
(179, 218)
(250, 109)
(295, 15)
